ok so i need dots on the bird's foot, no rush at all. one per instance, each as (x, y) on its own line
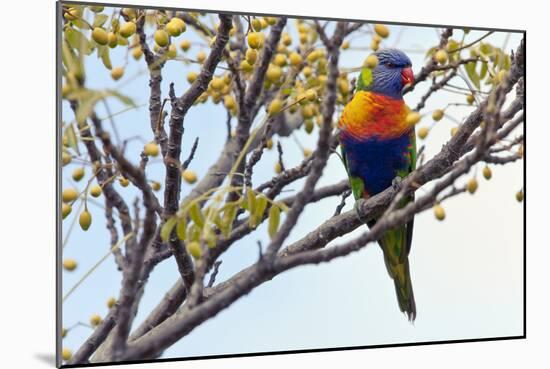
(396, 183)
(358, 212)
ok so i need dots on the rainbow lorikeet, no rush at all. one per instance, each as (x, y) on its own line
(378, 147)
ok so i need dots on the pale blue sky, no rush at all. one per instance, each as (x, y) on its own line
(466, 271)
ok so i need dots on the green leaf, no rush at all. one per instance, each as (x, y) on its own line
(72, 140)
(472, 74)
(78, 41)
(193, 233)
(483, 71)
(196, 215)
(167, 228)
(86, 106)
(229, 215)
(103, 53)
(122, 98)
(80, 24)
(100, 20)
(274, 220)
(250, 200)
(261, 204)
(181, 228)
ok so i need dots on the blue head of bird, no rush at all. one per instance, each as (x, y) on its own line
(392, 73)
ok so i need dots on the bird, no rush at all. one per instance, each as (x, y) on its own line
(378, 146)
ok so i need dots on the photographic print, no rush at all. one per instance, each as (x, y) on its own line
(242, 184)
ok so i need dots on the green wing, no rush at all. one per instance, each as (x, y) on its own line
(356, 184)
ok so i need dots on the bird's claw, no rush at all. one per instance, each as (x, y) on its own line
(358, 211)
(396, 183)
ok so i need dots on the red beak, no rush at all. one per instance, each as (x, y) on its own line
(407, 76)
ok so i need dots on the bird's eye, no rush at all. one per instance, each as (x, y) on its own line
(390, 65)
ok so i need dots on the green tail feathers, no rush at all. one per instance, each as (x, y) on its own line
(403, 287)
(395, 244)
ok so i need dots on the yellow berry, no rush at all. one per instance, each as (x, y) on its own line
(381, 30)
(269, 144)
(69, 264)
(78, 174)
(64, 332)
(246, 67)
(439, 212)
(274, 73)
(65, 210)
(191, 77)
(308, 111)
(189, 176)
(171, 52)
(127, 29)
(271, 20)
(201, 56)
(229, 102)
(137, 52)
(95, 191)
(487, 174)
(66, 354)
(255, 40)
(441, 56)
(311, 95)
(173, 28)
(413, 118)
(279, 60)
(179, 23)
(423, 132)
(156, 186)
(307, 152)
(251, 56)
(97, 9)
(185, 45)
(161, 37)
(437, 115)
(100, 36)
(85, 220)
(66, 157)
(371, 61)
(454, 130)
(194, 249)
(151, 149)
(117, 73)
(345, 45)
(217, 83)
(307, 71)
(69, 195)
(295, 59)
(308, 125)
(519, 196)
(343, 86)
(275, 107)
(113, 40)
(278, 168)
(470, 99)
(286, 39)
(123, 182)
(95, 320)
(471, 186)
(129, 12)
(256, 24)
(111, 302)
